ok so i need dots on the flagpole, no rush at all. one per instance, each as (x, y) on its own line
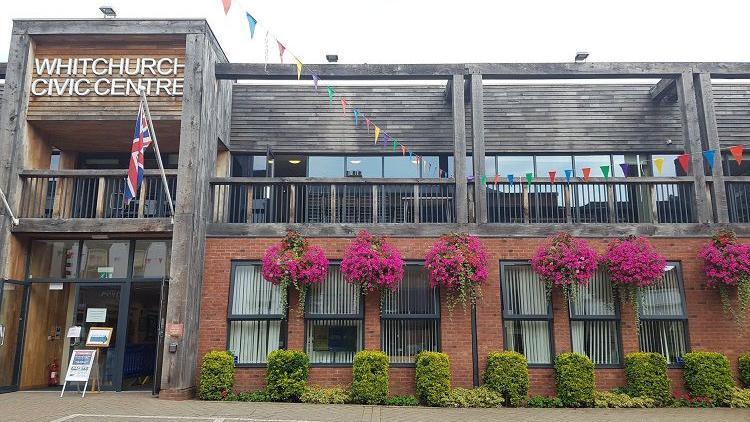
(13, 218)
(156, 150)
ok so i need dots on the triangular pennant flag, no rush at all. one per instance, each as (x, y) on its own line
(586, 173)
(568, 174)
(299, 68)
(511, 179)
(343, 105)
(497, 179)
(710, 158)
(227, 4)
(605, 171)
(250, 21)
(737, 153)
(483, 180)
(659, 163)
(684, 160)
(356, 116)
(552, 177)
(529, 177)
(625, 169)
(368, 122)
(394, 143)
(386, 139)
(419, 159)
(330, 95)
(403, 150)
(281, 50)
(315, 79)
(377, 134)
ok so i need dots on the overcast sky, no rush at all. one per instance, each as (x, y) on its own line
(412, 31)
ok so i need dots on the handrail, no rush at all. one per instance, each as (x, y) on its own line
(328, 180)
(88, 172)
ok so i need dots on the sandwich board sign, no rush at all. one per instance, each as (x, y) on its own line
(79, 369)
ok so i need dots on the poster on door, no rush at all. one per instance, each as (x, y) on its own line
(99, 336)
(81, 362)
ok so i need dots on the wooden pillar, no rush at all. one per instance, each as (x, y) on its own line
(705, 100)
(459, 148)
(477, 131)
(693, 145)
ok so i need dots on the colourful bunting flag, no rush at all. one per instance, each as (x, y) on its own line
(497, 179)
(394, 143)
(299, 67)
(330, 95)
(529, 177)
(684, 160)
(568, 174)
(315, 79)
(625, 169)
(356, 117)
(710, 158)
(737, 153)
(605, 171)
(403, 150)
(586, 173)
(659, 164)
(483, 180)
(386, 140)
(552, 177)
(250, 21)
(377, 134)
(368, 122)
(343, 105)
(281, 50)
(227, 4)
(510, 179)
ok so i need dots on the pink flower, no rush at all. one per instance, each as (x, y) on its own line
(293, 261)
(457, 261)
(372, 263)
(633, 261)
(564, 261)
(725, 262)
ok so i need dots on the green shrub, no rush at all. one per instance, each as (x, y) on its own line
(646, 375)
(433, 377)
(318, 395)
(477, 397)
(574, 377)
(370, 377)
(612, 400)
(544, 402)
(402, 401)
(286, 375)
(253, 396)
(708, 375)
(217, 376)
(744, 369)
(740, 398)
(508, 374)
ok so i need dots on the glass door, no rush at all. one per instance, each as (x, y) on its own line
(11, 321)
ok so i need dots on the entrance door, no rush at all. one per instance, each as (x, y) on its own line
(11, 321)
(99, 306)
(141, 346)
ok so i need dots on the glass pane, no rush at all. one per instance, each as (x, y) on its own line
(632, 161)
(403, 339)
(517, 165)
(10, 324)
(54, 259)
(333, 341)
(400, 167)
(665, 337)
(142, 335)
(107, 299)
(151, 258)
(597, 298)
(252, 341)
(556, 163)
(594, 162)
(489, 166)
(670, 168)
(242, 165)
(364, 166)
(260, 166)
(334, 296)
(252, 294)
(414, 295)
(663, 298)
(599, 340)
(523, 291)
(430, 166)
(469, 166)
(325, 166)
(734, 169)
(104, 259)
(530, 338)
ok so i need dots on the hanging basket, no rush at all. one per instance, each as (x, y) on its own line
(457, 263)
(564, 262)
(726, 265)
(372, 263)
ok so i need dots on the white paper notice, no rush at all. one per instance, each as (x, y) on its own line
(96, 314)
(74, 331)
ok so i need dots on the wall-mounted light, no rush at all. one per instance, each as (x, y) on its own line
(581, 56)
(355, 161)
(295, 161)
(108, 12)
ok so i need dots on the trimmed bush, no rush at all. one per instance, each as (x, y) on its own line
(740, 398)
(217, 376)
(744, 369)
(318, 395)
(286, 375)
(433, 378)
(508, 374)
(478, 397)
(402, 401)
(370, 377)
(613, 400)
(543, 402)
(707, 374)
(574, 378)
(253, 396)
(646, 375)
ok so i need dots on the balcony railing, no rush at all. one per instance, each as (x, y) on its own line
(738, 199)
(92, 194)
(620, 200)
(340, 200)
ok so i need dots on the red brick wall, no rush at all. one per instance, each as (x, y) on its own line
(708, 328)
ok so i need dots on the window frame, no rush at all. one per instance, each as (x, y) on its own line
(284, 331)
(333, 317)
(683, 317)
(617, 317)
(412, 317)
(550, 317)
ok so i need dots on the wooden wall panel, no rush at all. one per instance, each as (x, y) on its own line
(96, 107)
(732, 105)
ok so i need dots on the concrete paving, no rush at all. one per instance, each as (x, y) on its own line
(142, 407)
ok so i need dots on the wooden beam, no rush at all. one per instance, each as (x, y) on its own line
(477, 131)
(275, 71)
(109, 26)
(705, 101)
(459, 149)
(665, 88)
(71, 226)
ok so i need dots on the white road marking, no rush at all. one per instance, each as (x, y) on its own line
(194, 418)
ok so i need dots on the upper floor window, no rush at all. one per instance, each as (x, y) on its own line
(517, 165)
(595, 321)
(732, 168)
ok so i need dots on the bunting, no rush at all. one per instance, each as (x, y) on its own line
(511, 179)
(497, 179)
(315, 79)
(330, 95)
(377, 133)
(605, 171)
(736, 152)
(659, 163)
(552, 177)
(483, 180)
(251, 21)
(343, 105)
(709, 158)
(625, 169)
(529, 177)
(227, 4)
(282, 49)
(356, 117)
(568, 174)
(586, 173)
(299, 67)
(368, 122)
(684, 160)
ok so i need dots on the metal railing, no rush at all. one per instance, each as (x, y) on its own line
(738, 199)
(92, 194)
(339, 200)
(620, 200)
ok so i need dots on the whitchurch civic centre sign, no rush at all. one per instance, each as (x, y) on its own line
(121, 76)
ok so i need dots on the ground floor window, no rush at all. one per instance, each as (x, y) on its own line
(595, 321)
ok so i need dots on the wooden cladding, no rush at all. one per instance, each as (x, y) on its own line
(162, 76)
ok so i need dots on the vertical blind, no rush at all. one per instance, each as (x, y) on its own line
(526, 312)
(663, 317)
(594, 324)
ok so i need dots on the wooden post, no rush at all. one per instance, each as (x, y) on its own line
(249, 195)
(375, 204)
(477, 131)
(293, 203)
(101, 188)
(333, 203)
(417, 211)
(525, 187)
(568, 204)
(459, 148)
(654, 203)
(611, 202)
(705, 94)
(142, 198)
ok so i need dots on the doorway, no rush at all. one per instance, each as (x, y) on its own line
(11, 320)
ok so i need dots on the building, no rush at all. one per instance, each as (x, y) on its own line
(247, 161)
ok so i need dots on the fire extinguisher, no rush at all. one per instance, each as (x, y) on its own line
(53, 372)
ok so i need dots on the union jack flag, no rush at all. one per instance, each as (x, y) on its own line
(141, 141)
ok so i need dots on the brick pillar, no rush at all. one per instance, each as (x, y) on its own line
(372, 321)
